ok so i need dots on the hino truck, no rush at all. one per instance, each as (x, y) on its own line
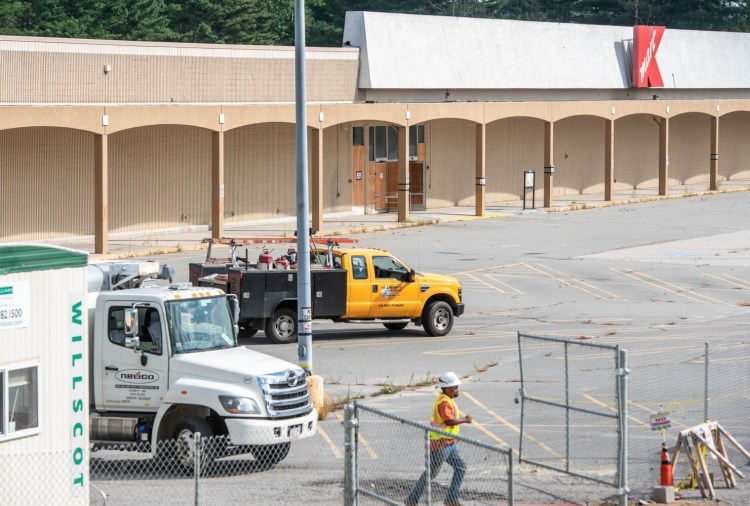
(165, 365)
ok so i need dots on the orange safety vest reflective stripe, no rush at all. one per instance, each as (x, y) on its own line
(438, 422)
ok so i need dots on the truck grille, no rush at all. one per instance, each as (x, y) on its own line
(285, 393)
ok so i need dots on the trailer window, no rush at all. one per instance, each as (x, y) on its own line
(19, 401)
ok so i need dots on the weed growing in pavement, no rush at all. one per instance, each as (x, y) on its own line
(745, 303)
(388, 389)
(424, 382)
(486, 367)
(340, 402)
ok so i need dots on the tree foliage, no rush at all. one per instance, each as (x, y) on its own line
(271, 22)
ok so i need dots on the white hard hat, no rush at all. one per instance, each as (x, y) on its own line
(448, 379)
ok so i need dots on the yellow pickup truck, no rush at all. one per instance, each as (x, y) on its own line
(347, 285)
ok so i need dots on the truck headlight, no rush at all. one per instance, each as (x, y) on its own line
(239, 405)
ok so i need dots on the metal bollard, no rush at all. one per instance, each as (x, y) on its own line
(350, 455)
(197, 447)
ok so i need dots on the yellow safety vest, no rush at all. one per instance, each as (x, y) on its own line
(438, 422)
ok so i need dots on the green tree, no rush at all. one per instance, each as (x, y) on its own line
(10, 16)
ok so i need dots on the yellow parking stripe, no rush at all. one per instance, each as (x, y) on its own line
(486, 283)
(675, 289)
(362, 440)
(731, 280)
(577, 280)
(327, 439)
(561, 280)
(511, 426)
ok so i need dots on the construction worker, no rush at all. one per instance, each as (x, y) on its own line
(444, 448)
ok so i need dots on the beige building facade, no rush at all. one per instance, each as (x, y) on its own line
(99, 137)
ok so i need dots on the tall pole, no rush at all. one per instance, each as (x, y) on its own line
(304, 305)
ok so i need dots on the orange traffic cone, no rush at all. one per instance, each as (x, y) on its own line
(667, 479)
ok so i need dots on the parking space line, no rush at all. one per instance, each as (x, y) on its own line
(614, 410)
(486, 283)
(563, 281)
(582, 282)
(511, 426)
(492, 277)
(675, 289)
(485, 269)
(731, 280)
(327, 439)
(361, 439)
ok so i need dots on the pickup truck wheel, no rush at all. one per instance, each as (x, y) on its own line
(439, 319)
(267, 456)
(184, 443)
(396, 326)
(282, 327)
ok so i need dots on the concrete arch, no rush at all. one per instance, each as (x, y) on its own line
(636, 152)
(451, 158)
(159, 177)
(238, 116)
(496, 111)
(260, 157)
(579, 154)
(690, 150)
(513, 145)
(46, 174)
(84, 118)
(734, 145)
(130, 117)
(336, 114)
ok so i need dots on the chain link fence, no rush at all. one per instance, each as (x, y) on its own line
(571, 394)
(386, 456)
(690, 384)
(573, 420)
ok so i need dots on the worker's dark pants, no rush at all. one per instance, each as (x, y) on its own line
(448, 454)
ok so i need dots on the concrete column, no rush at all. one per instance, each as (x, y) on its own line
(663, 156)
(316, 186)
(101, 194)
(404, 196)
(549, 165)
(714, 185)
(217, 185)
(481, 168)
(609, 158)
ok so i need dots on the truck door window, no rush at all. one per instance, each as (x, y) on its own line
(359, 267)
(149, 333)
(387, 267)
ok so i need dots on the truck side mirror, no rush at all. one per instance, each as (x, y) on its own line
(410, 276)
(130, 321)
(234, 307)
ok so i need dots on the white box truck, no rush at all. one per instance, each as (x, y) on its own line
(165, 364)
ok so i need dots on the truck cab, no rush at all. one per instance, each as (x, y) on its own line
(165, 364)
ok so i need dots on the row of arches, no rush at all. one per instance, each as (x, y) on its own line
(71, 171)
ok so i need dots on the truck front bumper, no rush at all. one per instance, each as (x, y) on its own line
(459, 309)
(249, 431)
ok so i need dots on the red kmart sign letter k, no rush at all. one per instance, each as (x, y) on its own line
(646, 40)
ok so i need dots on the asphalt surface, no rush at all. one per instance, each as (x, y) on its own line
(659, 279)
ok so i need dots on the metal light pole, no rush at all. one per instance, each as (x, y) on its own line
(304, 303)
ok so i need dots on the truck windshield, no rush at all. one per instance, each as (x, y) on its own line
(200, 325)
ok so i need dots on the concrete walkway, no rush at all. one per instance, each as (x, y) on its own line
(189, 239)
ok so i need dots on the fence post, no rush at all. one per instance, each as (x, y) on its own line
(197, 448)
(350, 455)
(705, 383)
(510, 477)
(622, 373)
(428, 466)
